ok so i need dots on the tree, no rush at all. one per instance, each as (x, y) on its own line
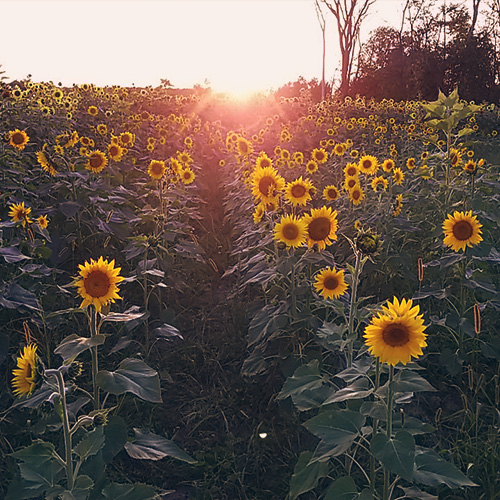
(349, 15)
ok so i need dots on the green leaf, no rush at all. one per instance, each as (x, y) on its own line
(90, 444)
(409, 381)
(306, 475)
(357, 390)
(305, 377)
(149, 446)
(116, 491)
(73, 345)
(80, 491)
(115, 434)
(123, 317)
(343, 488)
(133, 376)
(313, 398)
(418, 494)
(12, 254)
(432, 470)
(38, 452)
(396, 454)
(337, 429)
(14, 296)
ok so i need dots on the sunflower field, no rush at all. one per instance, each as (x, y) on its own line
(277, 299)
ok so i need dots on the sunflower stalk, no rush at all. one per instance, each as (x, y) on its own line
(94, 331)
(390, 400)
(375, 428)
(358, 266)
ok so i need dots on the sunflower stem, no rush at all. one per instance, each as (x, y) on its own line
(375, 427)
(352, 307)
(390, 398)
(146, 299)
(95, 360)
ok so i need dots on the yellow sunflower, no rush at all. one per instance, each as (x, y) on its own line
(461, 230)
(18, 139)
(19, 213)
(330, 283)
(115, 152)
(455, 157)
(356, 194)
(243, 146)
(321, 226)
(398, 205)
(96, 161)
(379, 182)
(368, 164)
(46, 163)
(470, 167)
(319, 155)
(156, 169)
(184, 157)
(350, 183)
(92, 110)
(126, 139)
(331, 193)
(351, 170)
(26, 376)
(259, 212)
(410, 163)
(42, 221)
(388, 165)
(396, 334)
(263, 161)
(187, 176)
(311, 166)
(339, 149)
(291, 230)
(398, 176)
(298, 192)
(98, 283)
(266, 183)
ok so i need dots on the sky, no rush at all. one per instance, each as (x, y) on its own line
(234, 46)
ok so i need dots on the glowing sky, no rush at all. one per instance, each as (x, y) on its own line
(236, 45)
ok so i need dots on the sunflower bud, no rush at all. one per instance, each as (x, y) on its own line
(100, 419)
(75, 369)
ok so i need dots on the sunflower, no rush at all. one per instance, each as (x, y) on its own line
(351, 170)
(470, 167)
(455, 157)
(184, 157)
(156, 169)
(26, 376)
(92, 110)
(18, 139)
(298, 192)
(298, 157)
(321, 227)
(102, 129)
(291, 230)
(19, 213)
(126, 139)
(98, 283)
(396, 334)
(266, 183)
(350, 182)
(46, 163)
(263, 161)
(187, 176)
(311, 166)
(461, 230)
(356, 194)
(368, 164)
(410, 163)
(398, 205)
(96, 161)
(331, 193)
(115, 152)
(398, 176)
(42, 221)
(379, 181)
(243, 146)
(339, 149)
(388, 165)
(259, 212)
(319, 155)
(330, 283)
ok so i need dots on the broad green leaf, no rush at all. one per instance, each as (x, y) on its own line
(358, 369)
(149, 446)
(306, 475)
(343, 488)
(418, 494)
(115, 434)
(359, 389)
(133, 376)
(432, 470)
(396, 454)
(12, 254)
(311, 398)
(90, 444)
(44, 474)
(116, 491)
(337, 429)
(305, 377)
(80, 491)
(409, 381)
(412, 425)
(38, 452)
(14, 296)
(74, 345)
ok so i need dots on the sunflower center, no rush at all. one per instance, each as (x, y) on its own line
(331, 283)
(17, 138)
(113, 150)
(97, 284)
(319, 156)
(290, 231)
(319, 228)
(265, 163)
(367, 164)
(266, 186)
(332, 193)
(298, 191)
(351, 183)
(356, 194)
(462, 230)
(95, 161)
(396, 335)
(351, 171)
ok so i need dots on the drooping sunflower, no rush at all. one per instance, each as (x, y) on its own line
(455, 157)
(291, 230)
(356, 194)
(331, 193)
(368, 164)
(319, 155)
(187, 176)
(398, 205)
(379, 182)
(98, 283)
(298, 192)
(396, 334)
(156, 169)
(258, 213)
(330, 283)
(19, 213)
(96, 161)
(26, 376)
(18, 139)
(46, 163)
(461, 230)
(398, 176)
(321, 226)
(266, 183)
(243, 146)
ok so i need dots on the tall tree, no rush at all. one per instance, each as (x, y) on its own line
(349, 15)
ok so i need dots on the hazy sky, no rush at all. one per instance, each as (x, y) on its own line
(237, 45)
